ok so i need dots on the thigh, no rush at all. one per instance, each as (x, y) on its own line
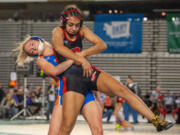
(56, 120)
(72, 103)
(92, 113)
(107, 84)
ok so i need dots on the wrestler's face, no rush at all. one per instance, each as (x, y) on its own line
(72, 25)
(31, 47)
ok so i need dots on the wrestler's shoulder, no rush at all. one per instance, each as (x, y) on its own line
(84, 28)
(57, 30)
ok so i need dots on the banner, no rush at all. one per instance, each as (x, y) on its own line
(122, 33)
(173, 33)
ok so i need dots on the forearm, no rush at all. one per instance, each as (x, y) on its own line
(95, 49)
(66, 52)
(63, 66)
(52, 70)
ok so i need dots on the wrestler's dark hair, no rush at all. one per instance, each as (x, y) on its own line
(68, 12)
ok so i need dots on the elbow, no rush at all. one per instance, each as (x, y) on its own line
(54, 73)
(58, 49)
(104, 46)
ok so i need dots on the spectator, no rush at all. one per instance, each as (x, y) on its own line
(38, 94)
(169, 102)
(2, 93)
(35, 103)
(146, 99)
(118, 111)
(157, 95)
(51, 101)
(177, 111)
(162, 109)
(127, 109)
(154, 108)
(20, 96)
(108, 108)
(8, 106)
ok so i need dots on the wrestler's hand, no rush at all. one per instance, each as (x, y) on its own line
(77, 63)
(80, 54)
(83, 54)
(87, 69)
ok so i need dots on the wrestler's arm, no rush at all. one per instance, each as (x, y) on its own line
(99, 44)
(66, 52)
(52, 70)
(57, 38)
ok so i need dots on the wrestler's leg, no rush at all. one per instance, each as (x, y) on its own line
(108, 84)
(124, 123)
(56, 120)
(72, 102)
(92, 113)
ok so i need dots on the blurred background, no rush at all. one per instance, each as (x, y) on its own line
(143, 38)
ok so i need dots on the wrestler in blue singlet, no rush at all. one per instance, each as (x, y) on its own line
(88, 97)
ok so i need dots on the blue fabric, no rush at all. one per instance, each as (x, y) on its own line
(129, 110)
(88, 98)
(37, 38)
(52, 59)
(108, 114)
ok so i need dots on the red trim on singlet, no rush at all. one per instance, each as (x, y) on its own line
(55, 78)
(96, 68)
(64, 85)
(67, 36)
(56, 56)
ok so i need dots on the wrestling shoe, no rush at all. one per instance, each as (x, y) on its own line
(161, 125)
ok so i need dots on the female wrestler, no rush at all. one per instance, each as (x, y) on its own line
(35, 46)
(68, 38)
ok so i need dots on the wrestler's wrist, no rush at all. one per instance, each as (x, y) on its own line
(83, 60)
(84, 53)
(71, 61)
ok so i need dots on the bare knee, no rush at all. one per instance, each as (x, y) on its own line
(124, 92)
(66, 128)
(96, 130)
